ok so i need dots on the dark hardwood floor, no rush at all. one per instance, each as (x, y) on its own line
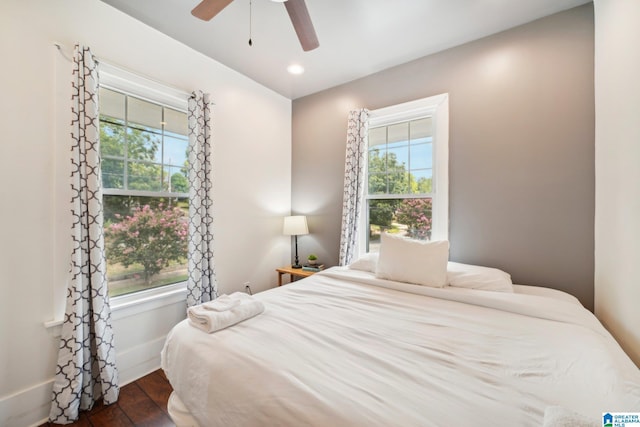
(141, 403)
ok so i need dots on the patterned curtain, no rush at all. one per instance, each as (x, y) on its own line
(86, 368)
(353, 183)
(201, 285)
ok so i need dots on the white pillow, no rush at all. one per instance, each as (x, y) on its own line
(413, 261)
(366, 262)
(477, 277)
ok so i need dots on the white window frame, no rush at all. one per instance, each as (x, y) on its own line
(119, 79)
(438, 108)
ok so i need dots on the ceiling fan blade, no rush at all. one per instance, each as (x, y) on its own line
(297, 10)
(207, 9)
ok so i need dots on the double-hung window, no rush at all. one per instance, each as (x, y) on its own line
(143, 144)
(406, 191)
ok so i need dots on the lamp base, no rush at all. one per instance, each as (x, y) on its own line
(296, 264)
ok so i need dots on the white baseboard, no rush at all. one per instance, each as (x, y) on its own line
(30, 407)
(140, 360)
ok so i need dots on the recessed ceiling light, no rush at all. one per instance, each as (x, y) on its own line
(295, 69)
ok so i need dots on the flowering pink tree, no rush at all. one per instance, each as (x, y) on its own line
(150, 237)
(416, 214)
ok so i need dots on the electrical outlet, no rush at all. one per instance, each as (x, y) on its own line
(247, 288)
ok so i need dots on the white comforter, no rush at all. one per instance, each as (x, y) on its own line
(342, 348)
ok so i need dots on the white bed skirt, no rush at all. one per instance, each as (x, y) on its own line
(179, 413)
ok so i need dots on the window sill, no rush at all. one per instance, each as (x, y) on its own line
(132, 304)
(129, 305)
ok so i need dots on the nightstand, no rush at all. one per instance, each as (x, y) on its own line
(293, 273)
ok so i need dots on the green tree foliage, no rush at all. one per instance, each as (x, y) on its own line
(381, 212)
(144, 176)
(179, 183)
(112, 144)
(421, 185)
(386, 173)
(389, 176)
(142, 149)
(150, 237)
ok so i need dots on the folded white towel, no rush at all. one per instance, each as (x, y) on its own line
(225, 302)
(213, 320)
(557, 416)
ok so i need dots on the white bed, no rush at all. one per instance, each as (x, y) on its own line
(342, 348)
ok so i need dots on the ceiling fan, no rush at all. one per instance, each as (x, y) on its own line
(297, 10)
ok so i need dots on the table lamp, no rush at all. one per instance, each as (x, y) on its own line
(295, 226)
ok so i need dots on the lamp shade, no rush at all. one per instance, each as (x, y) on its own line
(295, 225)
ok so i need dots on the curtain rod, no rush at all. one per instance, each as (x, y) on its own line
(61, 48)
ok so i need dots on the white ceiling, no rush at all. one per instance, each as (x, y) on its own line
(357, 37)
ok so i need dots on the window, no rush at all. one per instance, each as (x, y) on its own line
(406, 191)
(143, 146)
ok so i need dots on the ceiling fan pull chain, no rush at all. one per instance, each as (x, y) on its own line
(250, 42)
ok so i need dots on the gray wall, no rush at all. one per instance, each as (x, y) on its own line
(521, 149)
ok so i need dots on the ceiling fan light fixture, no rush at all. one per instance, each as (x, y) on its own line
(295, 69)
